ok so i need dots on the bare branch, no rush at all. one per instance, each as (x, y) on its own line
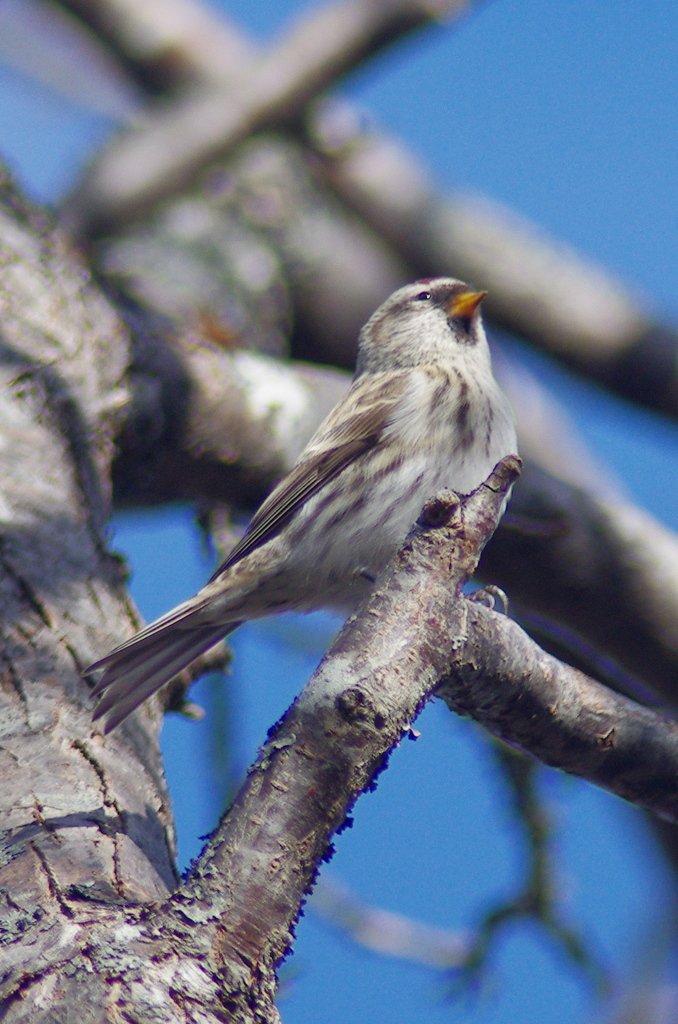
(165, 154)
(503, 680)
(169, 43)
(43, 40)
(247, 887)
(386, 933)
(208, 423)
(604, 568)
(537, 898)
(537, 287)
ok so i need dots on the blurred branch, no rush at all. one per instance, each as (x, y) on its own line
(263, 250)
(210, 423)
(537, 900)
(173, 696)
(248, 885)
(386, 933)
(164, 154)
(169, 44)
(43, 40)
(466, 954)
(538, 288)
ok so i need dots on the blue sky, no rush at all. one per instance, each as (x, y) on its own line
(568, 112)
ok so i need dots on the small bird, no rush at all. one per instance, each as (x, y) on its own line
(423, 412)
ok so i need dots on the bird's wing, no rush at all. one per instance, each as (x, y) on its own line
(353, 427)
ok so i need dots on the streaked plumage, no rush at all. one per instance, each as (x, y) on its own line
(423, 412)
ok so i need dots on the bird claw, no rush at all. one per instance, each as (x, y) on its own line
(489, 596)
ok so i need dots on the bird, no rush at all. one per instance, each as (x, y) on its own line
(423, 412)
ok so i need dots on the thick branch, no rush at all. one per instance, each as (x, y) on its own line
(247, 888)
(234, 915)
(81, 821)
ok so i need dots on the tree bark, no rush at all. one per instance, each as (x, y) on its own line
(82, 821)
(89, 928)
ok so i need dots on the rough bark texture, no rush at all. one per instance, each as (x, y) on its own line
(81, 821)
(503, 680)
(88, 930)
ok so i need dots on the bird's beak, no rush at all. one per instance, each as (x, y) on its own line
(464, 305)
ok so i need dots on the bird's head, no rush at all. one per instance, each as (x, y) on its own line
(432, 321)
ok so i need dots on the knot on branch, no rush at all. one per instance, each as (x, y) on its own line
(355, 706)
(440, 510)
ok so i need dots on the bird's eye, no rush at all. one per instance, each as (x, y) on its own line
(422, 296)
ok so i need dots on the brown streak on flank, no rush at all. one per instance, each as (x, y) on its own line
(488, 431)
(379, 474)
(462, 416)
(343, 513)
(442, 392)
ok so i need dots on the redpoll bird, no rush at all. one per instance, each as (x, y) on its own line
(423, 412)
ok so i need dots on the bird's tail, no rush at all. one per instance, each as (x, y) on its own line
(139, 667)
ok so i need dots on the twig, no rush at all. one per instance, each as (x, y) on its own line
(537, 899)
(386, 933)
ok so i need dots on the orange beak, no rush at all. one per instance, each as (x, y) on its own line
(465, 305)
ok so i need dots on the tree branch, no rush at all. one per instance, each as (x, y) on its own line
(538, 287)
(502, 679)
(81, 821)
(600, 566)
(206, 422)
(247, 887)
(145, 165)
(565, 303)
(385, 933)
